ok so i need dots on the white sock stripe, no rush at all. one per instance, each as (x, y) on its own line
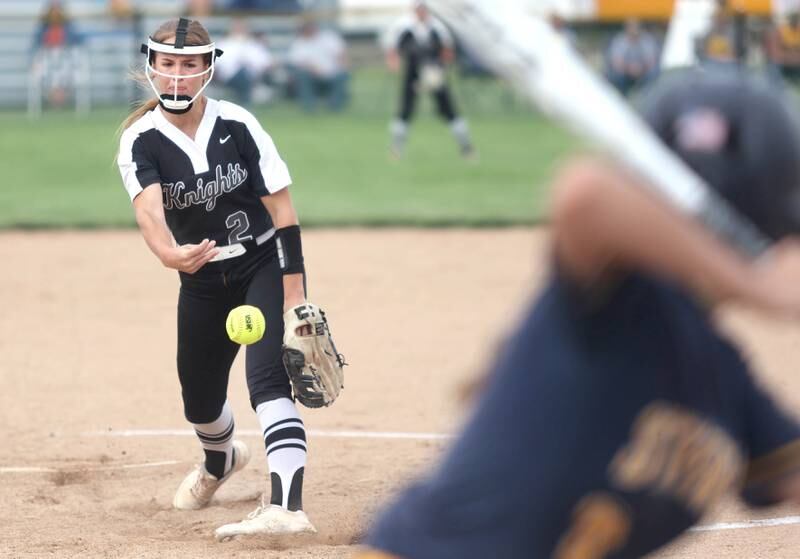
(286, 441)
(289, 424)
(287, 446)
(211, 430)
(218, 427)
(216, 438)
(215, 442)
(282, 422)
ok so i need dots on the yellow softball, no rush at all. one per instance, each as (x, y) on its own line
(245, 325)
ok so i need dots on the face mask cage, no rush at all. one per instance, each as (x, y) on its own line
(175, 102)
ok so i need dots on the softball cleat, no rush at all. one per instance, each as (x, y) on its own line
(197, 489)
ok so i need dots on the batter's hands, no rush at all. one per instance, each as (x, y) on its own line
(776, 285)
(189, 258)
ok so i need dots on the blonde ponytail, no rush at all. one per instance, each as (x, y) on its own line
(138, 112)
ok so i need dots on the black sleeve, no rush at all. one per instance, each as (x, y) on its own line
(146, 166)
(138, 167)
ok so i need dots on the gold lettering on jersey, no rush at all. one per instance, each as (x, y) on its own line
(205, 193)
(600, 525)
(675, 452)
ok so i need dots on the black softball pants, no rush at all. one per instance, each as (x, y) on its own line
(408, 100)
(205, 353)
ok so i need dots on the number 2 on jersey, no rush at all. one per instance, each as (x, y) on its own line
(237, 224)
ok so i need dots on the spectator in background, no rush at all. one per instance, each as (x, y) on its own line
(121, 9)
(52, 51)
(723, 45)
(245, 65)
(55, 28)
(199, 8)
(318, 66)
(632, 57)
(783, 48)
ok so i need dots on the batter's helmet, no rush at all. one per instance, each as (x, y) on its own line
(740, 136)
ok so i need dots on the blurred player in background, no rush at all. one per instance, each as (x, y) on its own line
(423, 46)
(211, 197)
(618, 414)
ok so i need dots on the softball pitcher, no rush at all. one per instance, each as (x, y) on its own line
(211, 198)
(618, 413)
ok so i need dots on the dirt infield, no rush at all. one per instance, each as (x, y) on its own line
(87, 346)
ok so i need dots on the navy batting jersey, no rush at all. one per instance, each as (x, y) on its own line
(605, 431)
(211, 185)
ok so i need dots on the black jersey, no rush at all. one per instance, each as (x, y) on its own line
(420, 41)
(211, 185)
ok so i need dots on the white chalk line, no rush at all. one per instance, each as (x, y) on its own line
(760, 523)
(257, 433)
(79, 469)
(191, 433)
(717, 527)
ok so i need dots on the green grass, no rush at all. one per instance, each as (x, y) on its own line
(59, 170)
